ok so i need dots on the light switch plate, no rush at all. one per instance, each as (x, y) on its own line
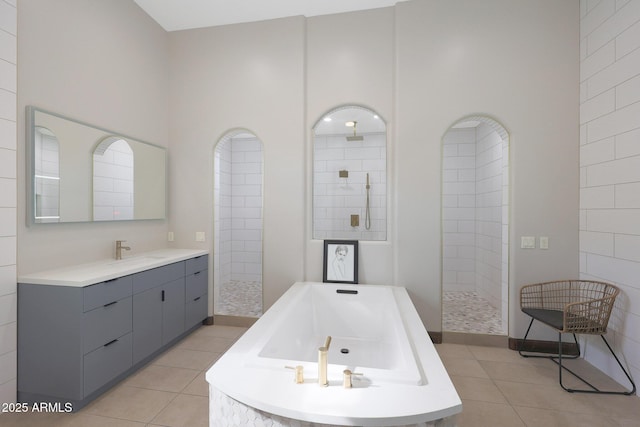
(170, 236)
(528, 242)
(199, 236)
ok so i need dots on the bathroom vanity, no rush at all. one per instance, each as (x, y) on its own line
(82, 329)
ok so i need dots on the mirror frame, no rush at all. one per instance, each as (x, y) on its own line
(30, 166)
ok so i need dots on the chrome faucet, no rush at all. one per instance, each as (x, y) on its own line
(119, 248)
(322, 363)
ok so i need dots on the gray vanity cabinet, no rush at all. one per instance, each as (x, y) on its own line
(158, 308)
(74, 342)
(196, 305)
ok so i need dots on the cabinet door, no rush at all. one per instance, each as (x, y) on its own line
(147, 323)
(173, 310)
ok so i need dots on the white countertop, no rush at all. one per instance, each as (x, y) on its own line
(95, 272)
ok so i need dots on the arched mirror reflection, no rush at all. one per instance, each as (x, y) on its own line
(237, 210)
(350, 175)
(113, 173)
(46, 153)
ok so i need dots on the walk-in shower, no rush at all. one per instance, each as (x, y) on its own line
(475, 227)
(237, 259)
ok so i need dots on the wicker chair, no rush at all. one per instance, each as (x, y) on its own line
(575, 307)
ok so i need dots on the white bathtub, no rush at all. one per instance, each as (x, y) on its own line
(403, 380)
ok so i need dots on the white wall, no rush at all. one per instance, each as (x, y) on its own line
(610, 166)
(103, 63)
(8, 202)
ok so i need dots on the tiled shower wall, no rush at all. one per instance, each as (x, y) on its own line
(474, 213)
(8, 200)
(238, 210)
(335, 199)
(610, 162)
(47, 172)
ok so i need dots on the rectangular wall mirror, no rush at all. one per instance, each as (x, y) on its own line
(82, 173)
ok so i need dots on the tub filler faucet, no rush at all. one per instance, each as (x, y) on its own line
(322, 362)
(119, 248)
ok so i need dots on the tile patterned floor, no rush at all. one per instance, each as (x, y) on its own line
(240, 298)
(467, 312)
(498, 388)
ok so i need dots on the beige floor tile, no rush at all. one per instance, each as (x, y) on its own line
(185, 411)
(199, 386)
(447, 351)
(189, 359)
(221, 331)
(21, 419)
(84, 420)
(130, 403)
(201, 342)
(464, 367)
(534, 417)
(520, 372)
(483, 414)
(497, 354)
(162, 378)
(624, 407)
(543, 396)
(480, 389)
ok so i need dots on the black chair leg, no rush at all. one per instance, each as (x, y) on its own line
(593, 389)
(557, 359)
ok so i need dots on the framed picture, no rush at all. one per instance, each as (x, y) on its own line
(340, 261)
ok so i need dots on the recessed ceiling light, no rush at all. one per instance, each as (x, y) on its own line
(350, 124)
(327, 119)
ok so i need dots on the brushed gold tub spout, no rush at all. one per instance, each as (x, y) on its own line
(322, 363)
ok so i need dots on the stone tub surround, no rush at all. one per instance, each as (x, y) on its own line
(99, 271)
(263, 384)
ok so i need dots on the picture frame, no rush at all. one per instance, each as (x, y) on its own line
(340, 261)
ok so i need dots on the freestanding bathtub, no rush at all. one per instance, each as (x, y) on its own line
(375, 331)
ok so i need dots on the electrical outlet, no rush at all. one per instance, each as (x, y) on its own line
(199, 236)
(544, 242)
(170, 236)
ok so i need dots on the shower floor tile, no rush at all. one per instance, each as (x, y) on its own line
(240, 298)
(467, 312)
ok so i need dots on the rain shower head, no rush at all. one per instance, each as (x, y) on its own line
(354, 137)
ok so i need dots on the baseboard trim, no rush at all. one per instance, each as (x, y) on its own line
(225, 320)
(436, 337)
(547, 347)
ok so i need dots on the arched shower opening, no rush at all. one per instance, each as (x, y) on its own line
(237, 201)
(475, 227)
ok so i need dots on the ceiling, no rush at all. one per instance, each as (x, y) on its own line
(174, 15)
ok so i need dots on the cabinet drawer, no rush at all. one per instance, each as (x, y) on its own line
(106, 323)
(106, 363)
(197, 264)
(196, 311)
(157, 276)
(106, 292)
(197, 284)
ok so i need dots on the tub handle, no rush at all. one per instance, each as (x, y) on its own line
(299, 375)
(346, 380)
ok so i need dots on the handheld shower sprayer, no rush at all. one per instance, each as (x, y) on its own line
(367, 212)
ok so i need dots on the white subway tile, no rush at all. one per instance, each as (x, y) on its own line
(628, 41)
(8, 279)
(612, 27)
(7, 251)
(598, 60)
(8, 18)
(595, 16)
(613, 269)
(8, 73)
(597, 152)
(597, 243)
(7, 163)
(597, 197)
(8, 226)
(614, 172)
(8, 391)
(627, 247)
(628, 92)
(8, 134)
(598, 106)
(8, 335)
(627, 144)
(449, 150)
(7, 105)
(627, 195)
(8, 308)
(614, 221)
(618, 72)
